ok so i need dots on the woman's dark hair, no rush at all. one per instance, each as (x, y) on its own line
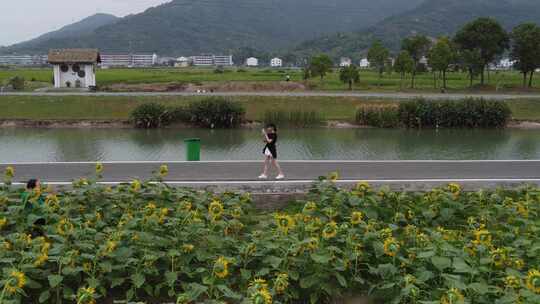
(273, 126)
(31, 184)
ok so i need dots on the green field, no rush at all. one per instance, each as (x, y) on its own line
(502, 81)
(118, 108)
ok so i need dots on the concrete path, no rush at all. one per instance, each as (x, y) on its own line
(434, 96)
(415, 175)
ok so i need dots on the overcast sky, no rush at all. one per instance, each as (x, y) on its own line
(21, 20)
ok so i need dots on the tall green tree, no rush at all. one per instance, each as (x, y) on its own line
(526, 50)
(320, 65)
(378, 56)
(404, 64)
(486, 36)
(441, 56)
(471, 61)
(417, 47)
(350, 75)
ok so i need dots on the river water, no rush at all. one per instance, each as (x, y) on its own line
(32, 145)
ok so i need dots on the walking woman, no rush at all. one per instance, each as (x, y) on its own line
(270, 151)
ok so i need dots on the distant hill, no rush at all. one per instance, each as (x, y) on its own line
(433, 18)
(184, 27)
(72, 31)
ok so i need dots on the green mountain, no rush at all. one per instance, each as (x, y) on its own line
(73, 31)
(184, 27)
(432, 18)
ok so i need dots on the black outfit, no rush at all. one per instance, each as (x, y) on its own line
(272, 145)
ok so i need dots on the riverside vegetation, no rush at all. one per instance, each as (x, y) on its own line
(146, 241)
(466, 113)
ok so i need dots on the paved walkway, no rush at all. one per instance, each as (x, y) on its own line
(243, 174)
(436, 96)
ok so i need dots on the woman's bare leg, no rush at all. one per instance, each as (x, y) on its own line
(266, 165)
(278, 167)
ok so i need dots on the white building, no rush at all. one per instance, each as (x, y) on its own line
(74, 68)
(276, 62)
(23, 60)
(223, 60)
(505, 64)
(345, 62)
(212, 60)
(128, 60)
(182, 62)
(252, 62)
(364, 63)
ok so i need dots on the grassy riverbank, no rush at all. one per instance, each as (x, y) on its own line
(508, 81)
(119, 107)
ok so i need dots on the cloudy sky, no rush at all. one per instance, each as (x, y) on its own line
(21, 20)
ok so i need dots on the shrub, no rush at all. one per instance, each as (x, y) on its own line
(151, 115)
(381, 116)
(219, 70)
(297, 118)
(17, 82)
(468, 113)
(216, 112)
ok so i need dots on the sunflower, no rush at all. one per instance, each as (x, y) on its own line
(312, 243)
(259, 292)
(221, 267)
(364, 187)
(111, 246)
(3, 222)
(215, 209)
(309, 207)
(86, 296)
(99, 168)
(452, 296)
(135, 185)
(41, 259)
(512, 282)
(519, 264)
(64, 227)
(163, 171)
(17, 280)
(284, 222)
(330, 230)
(333, 177)
(391, 247)
(9, 172)
(533, 281)
(499, 257)
(482, 237)
(356, 217)
(454, 188)
(281, 282)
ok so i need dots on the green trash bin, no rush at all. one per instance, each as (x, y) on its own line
(193, 149)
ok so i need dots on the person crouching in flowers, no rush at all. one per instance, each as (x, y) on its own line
(33, 201)
(270, 151)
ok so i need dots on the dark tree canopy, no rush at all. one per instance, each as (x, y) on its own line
(485, 35)
(526, 49)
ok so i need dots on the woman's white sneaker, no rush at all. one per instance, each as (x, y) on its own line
(281, 176)
(263, 176)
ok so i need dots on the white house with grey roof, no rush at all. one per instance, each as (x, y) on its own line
(74, 68)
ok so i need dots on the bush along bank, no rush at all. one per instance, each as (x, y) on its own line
(421, 113)
(213, 112)
(146, 241)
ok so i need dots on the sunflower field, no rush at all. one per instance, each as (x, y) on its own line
(146, 241)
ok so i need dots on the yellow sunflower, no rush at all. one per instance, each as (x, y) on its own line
(310, 207)
(453, 296)
(284, 222)
(333, 177)
(86, 296)
(330, 230)
(163, 171)
(64, 227)
(215, 210)
(9, 172)
(99, 168)
(187, 248)
(3, 222)
(391, 247)
(533, 281)
(281, 283)
(16, 280)
(499, 257)
(221, 267)
(512, 282)
(364, 187)
(356, 217)
(135, 185)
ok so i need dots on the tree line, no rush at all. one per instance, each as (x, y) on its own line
(472, 49)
